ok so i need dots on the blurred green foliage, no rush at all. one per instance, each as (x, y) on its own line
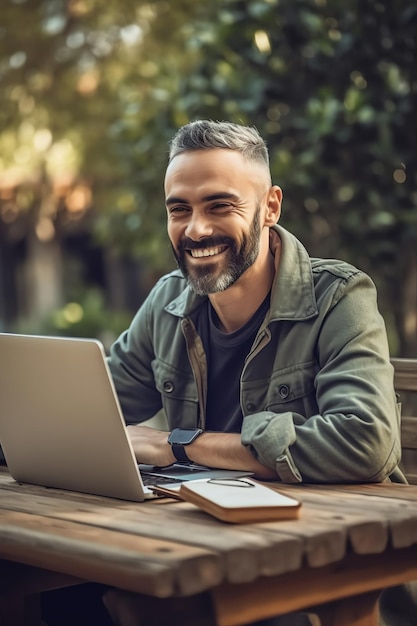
(86, 317)
(94, 90)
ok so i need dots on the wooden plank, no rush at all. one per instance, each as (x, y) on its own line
(409, 464)
(405, 374)
(409, 433)
(327, 522)
(248, 553)
(240, 604)
(412, 478)
(389, 490)
(321, 535)
(244, 553)
(150, 566)
(405, 380)
(366, 534)
(401, 516)
(317, 538)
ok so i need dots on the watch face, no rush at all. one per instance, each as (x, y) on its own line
(184, 436)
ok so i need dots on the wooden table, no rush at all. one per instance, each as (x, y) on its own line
(350, 542)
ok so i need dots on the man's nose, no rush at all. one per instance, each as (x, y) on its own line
(198, 227)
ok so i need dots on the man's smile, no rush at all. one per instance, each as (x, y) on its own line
(198, 253)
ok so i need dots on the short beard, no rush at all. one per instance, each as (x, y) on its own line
(203, 281)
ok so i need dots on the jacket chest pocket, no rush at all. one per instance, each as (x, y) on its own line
(288, 389)
(178, 394)
(293, 389)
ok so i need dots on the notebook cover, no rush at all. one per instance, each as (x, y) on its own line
(240, 501)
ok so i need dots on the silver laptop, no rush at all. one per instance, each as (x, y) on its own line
(61, 423)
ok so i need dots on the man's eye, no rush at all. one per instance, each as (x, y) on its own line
(222, 205)
(178, 209)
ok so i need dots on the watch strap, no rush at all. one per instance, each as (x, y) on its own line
(179, 453)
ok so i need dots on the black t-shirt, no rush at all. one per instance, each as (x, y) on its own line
(226, 353)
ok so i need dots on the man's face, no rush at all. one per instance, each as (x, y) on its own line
(214, 204)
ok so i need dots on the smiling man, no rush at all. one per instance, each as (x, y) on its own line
(274, 362)
(268, 360)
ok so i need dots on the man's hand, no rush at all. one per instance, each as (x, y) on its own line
(151, 446)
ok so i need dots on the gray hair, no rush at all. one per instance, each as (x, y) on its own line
(207, 134)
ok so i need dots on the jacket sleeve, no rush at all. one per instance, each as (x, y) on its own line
(130, 363)
(355, 434)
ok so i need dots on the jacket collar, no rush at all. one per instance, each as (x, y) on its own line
(292, 295)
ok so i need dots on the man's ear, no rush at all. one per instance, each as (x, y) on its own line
(273, 209)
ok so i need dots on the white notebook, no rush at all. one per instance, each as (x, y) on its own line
(240, 500)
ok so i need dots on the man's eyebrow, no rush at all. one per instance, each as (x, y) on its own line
(221, 195)
(175, 200)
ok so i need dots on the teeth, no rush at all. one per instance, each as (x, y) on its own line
(205, 252)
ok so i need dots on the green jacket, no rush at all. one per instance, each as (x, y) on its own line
(316, 390)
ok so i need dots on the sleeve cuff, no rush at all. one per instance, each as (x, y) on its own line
(269, 436)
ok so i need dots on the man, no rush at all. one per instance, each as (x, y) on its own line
(273, 361)
(281, 360)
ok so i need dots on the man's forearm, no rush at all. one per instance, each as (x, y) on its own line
(221, 450)
(225, 450)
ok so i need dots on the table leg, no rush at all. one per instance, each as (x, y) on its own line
(361, 610)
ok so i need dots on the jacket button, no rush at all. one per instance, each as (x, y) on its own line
(250, 407)
(284, 391)
(169, 386)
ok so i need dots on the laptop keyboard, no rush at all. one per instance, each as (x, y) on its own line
(150, 479)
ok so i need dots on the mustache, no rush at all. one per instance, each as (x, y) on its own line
(209, 242)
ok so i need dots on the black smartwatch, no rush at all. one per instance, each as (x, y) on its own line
(181, 437)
